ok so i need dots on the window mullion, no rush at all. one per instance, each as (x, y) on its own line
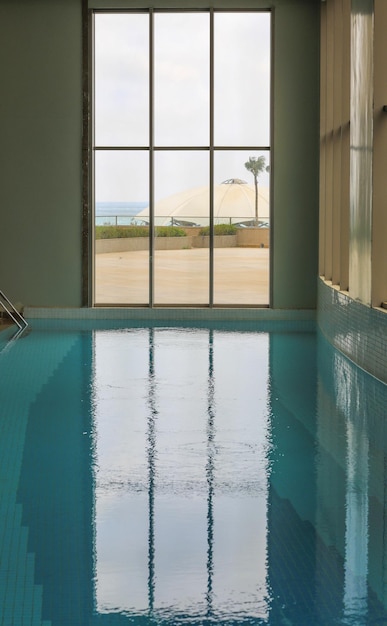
(211, 164)
(151, 158)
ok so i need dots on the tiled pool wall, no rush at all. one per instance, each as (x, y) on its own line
(359, 331)
(170, 314)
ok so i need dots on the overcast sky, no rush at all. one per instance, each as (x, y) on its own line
(181, 99)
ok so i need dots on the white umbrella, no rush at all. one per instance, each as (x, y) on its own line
(234, 201)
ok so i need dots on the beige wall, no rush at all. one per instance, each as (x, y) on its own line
(334, 142)
(41, 138)
(361, 150)
(353, 148)
(379, 223)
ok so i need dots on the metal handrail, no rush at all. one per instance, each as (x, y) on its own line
(12, 311)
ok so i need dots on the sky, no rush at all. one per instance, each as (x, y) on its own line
(181, 99)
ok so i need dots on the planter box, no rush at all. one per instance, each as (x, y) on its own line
(130, 244)
(253, 237)
(220, 241)
(244, 238)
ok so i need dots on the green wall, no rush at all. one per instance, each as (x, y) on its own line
(295, 162)
(41, 134)
(40, 174)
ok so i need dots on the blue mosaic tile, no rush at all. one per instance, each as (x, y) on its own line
(357, 330)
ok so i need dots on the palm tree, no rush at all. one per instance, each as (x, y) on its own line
(256, 165)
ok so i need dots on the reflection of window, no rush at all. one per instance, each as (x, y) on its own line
(181, 102)
(181, 491)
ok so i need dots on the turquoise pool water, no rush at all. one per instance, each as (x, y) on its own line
(175, 475)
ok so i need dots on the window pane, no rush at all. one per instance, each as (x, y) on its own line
(241, 259)
(181, 118)
(121, 80)
(181, 55)
(182, 200)
(121, 264)
(242, 79)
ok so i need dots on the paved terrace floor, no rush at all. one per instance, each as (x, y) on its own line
(241, 277)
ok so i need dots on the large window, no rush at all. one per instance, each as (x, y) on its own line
(182, 158)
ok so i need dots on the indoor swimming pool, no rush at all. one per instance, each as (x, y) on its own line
(201, 475)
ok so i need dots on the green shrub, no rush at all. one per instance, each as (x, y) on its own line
(169, 231)
(219, 229)
(118, 232)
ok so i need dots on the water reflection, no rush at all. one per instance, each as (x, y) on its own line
(204, 473)
(245, 489)
(357, 495)
(351, 516)
(194, 487)
(210, 472)
(152, 471)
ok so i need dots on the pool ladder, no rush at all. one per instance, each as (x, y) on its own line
(13, 312)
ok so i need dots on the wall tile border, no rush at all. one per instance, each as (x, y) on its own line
(357, 330)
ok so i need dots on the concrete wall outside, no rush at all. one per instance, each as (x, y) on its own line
(220, 241)
(133, 244)
(253, 238)
(244, 238)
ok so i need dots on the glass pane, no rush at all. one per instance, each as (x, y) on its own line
(121, 80)
(242, 79)
(182, 201)
(181, 79)
(241, 253)
(121, 261)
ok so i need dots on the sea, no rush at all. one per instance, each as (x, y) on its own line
(119, 213)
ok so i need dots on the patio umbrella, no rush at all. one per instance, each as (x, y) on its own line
(234, 202)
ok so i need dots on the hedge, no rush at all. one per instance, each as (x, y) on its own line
(118, 232)
(219, 229)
